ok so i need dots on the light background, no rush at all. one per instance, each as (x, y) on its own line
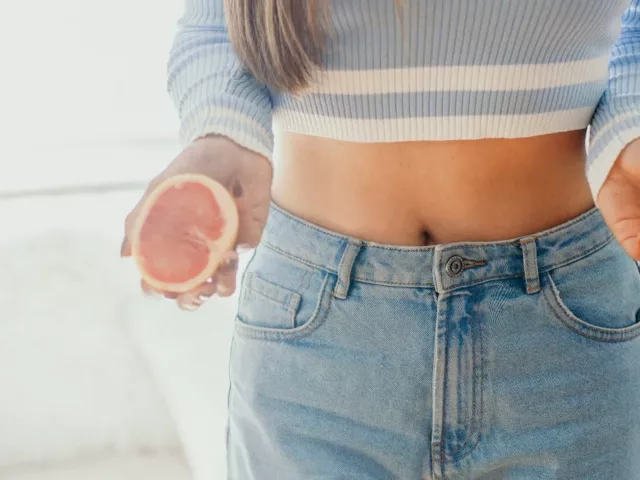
(96, 382)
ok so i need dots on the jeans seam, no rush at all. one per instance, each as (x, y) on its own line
(317, 319)
(543, 269)
(296, 258)
(568, 319)
(541, 235)
(306, 279)
(347, 238)
(275, 300)
(476, 419)
(577, 258)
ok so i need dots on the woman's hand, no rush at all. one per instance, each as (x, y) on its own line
(247, 176)
(619, 199)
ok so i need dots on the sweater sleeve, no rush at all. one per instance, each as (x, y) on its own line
(616, 121)
(213, 92)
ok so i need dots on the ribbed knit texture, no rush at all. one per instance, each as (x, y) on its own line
(438, 70)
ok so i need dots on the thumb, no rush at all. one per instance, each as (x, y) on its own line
(632, 246)
(619, 200)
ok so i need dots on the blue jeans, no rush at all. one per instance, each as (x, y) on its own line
(505, 360)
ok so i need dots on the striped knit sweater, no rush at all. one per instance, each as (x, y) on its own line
(444, 70)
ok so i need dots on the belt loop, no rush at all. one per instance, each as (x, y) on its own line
(345, 268)
(530, 260)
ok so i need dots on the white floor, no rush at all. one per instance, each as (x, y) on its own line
(141, 467)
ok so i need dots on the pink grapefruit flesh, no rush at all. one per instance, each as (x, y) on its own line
(183, 230)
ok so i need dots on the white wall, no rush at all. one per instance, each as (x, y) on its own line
(88, 365)
(79, 77)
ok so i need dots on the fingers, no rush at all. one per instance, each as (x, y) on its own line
(129, 221)
(148, 290)
(189, 302)
(629, 161)
(223, 284)
(125, 248)
(227, 274)
(252, 218)
(207, 289)
(632, 247)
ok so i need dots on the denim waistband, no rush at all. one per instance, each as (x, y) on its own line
(444, 267)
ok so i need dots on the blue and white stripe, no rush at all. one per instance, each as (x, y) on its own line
(435, 70)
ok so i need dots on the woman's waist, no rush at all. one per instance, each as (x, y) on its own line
(423, 193)
(464, 263)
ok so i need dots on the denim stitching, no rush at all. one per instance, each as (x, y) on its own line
(296, 258)
(593, 332)
(317, 319)
(543, 269)
(579, 257)
(286, 291)
(242, 279)
(478, 436)
(307, 224)
(476, 418)
(382, 283)
(481, 282)
(332, 271)
(393, 284)
(305, 283)
(346, 238)
(278, 302)
(306, 279)
(498, 245)
(345, 270)
(289, 307)
(317, 228)
(487, 279)
(537, 236)
(530, 261)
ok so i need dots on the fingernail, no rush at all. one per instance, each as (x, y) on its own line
(188, 307)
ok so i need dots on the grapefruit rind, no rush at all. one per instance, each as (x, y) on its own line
(217, 248)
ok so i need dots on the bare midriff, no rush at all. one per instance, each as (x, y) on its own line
(426, 193)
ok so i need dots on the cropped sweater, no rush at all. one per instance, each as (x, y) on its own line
(433, 70)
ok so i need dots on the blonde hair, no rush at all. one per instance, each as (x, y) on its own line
(281, 42)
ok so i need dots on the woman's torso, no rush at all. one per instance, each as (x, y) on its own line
(418, 193)
(439, 123)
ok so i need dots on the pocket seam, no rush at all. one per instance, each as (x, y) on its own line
(289, 308)
(293, 301)
(278, 334)
(553, 298)
(289, 301)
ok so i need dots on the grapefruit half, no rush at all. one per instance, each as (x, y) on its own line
(184, 228)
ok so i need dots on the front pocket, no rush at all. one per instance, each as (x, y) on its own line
(597, 297)
(281, 298)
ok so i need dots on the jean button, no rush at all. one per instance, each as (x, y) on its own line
(454, 266)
